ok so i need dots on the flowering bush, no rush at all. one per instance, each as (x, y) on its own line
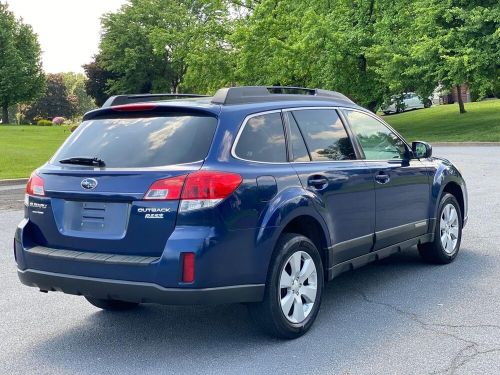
(58, 120)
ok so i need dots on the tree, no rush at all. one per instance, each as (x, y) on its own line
(448, 42)
(54, 102)
(97, 79)
(147, 45)
(75, 84)
(21, 75)
(319, 43)
(464, 42)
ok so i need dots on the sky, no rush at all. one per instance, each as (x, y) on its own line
(68, 30)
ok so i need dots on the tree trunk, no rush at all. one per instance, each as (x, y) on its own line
(460, 100)
(174, 87)
(5, 114)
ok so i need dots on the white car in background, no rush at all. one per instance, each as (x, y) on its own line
(410, 101)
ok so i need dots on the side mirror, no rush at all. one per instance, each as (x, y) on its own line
(421, 150)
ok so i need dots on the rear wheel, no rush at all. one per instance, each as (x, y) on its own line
(293, 291)
(447, 235)
(110, 304)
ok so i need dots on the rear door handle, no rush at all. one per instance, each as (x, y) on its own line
(382, 178)
(317, 182)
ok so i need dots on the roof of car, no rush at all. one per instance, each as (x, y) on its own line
(245, 98)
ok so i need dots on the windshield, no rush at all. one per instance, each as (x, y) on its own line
(141, 142)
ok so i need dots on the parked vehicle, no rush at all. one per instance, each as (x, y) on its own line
(405, 102)
(255, 195)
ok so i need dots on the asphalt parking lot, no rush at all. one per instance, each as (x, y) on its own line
(398, 316)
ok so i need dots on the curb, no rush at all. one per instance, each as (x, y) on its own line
(14, 181)
(466, 144)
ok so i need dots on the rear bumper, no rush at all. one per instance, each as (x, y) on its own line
(141, 292)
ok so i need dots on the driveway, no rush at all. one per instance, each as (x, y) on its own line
(396, 316)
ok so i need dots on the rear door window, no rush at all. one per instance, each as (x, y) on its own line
(262, 139)
(325, 135)
(175, 138)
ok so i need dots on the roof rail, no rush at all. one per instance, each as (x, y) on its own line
(254, 94)
(142, 98)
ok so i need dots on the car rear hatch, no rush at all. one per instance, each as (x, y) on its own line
(126, 202)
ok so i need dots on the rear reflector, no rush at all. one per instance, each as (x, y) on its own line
(166, 189)
(35, 185)
(133, 107)
(187, 267)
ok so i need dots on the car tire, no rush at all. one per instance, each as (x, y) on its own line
(111, 305)
(447, 235)
(291, 300)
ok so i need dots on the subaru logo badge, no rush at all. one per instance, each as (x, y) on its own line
(89, 183)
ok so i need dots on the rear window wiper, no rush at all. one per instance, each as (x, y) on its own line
(84, 161)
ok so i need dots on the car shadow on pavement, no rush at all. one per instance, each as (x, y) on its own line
(357, 313)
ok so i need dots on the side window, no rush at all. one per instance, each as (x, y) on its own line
(377, 140)
(299, 149)
(324, 134)
(262, 139)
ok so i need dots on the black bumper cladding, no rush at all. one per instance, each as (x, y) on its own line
(132, 291)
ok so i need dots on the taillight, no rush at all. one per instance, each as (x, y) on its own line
(187, 267)
(202, 189)
(35, 185)
(166, 189)
(205, 189)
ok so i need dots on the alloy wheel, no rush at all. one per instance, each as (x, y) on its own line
(298, 287)
(449, 228)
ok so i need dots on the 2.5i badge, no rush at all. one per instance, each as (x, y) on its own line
(153, 212)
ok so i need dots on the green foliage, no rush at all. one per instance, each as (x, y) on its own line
(317, 43)
(368, 49)
(441, 41)
(55, 101)
(147, 45)
(44, 123)
(75, 84)
(21, 75)
(97, 80)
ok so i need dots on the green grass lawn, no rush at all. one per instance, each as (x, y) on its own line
(24, 148)
(443, 123)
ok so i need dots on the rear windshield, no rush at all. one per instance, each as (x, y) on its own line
(142, 142)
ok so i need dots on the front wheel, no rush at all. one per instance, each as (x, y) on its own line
(294, 289)
(447, 235)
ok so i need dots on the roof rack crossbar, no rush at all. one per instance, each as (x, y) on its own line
(142, 98)
(253, 94)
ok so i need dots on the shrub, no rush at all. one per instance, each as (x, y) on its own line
(44, 123)
(58, 120)
(36, 119)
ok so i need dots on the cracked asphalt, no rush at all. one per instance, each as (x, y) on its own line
(398, 316)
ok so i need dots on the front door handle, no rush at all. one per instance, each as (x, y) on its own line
(317, 182)
(382, 178)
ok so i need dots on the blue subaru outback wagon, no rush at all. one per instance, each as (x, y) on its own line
(256, 195)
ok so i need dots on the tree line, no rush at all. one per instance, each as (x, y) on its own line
(26, 92)
(369, 50)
